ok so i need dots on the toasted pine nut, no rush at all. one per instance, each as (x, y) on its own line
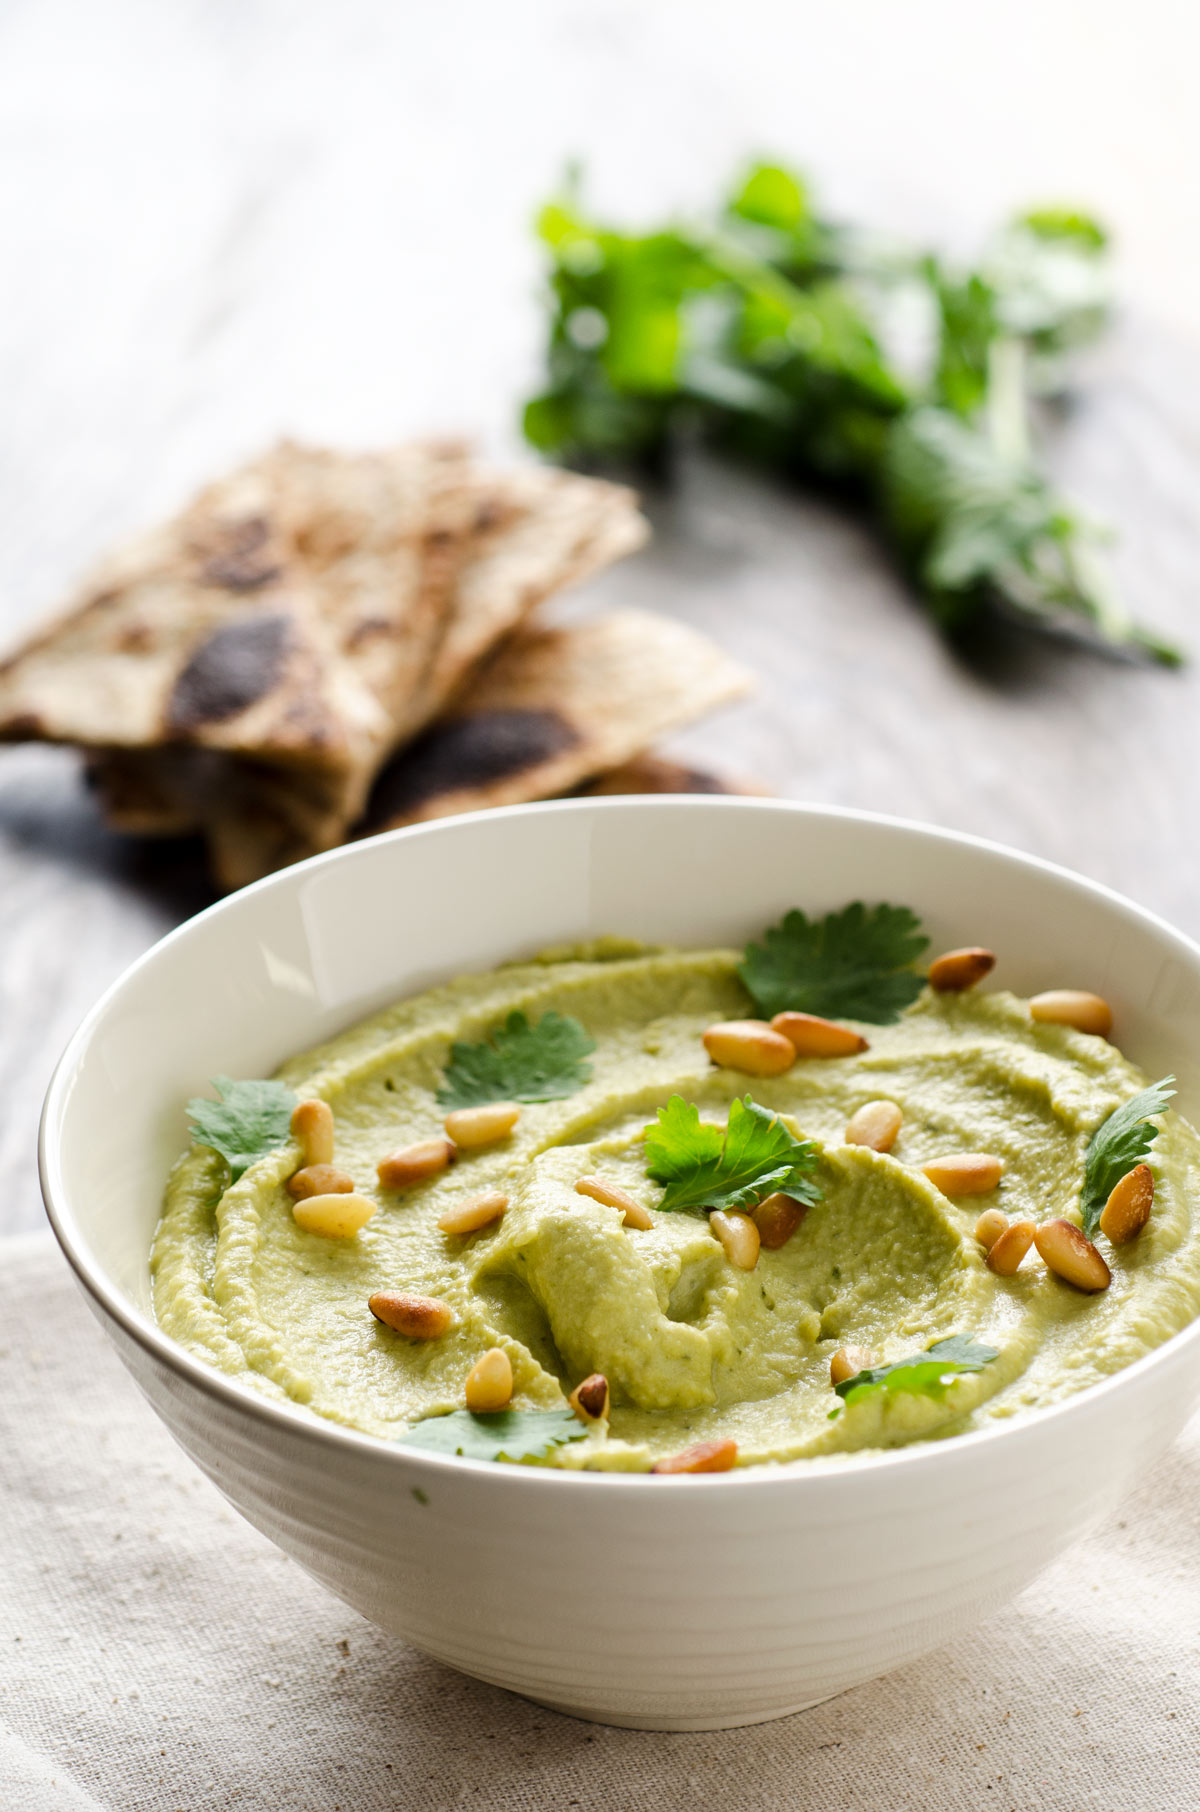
(705, 1456)
(1005, 1253)
(490, 1382)
(312, 1129)
(738, 1236)
(413, 1163)
(965, 1173)
(751, 1046)
(1073, 1007)
(875, 1124)
(476, 1212)
(811, 1036)
(333, 1216)
(960, 969)
(847, 1362)
(589, 1400)
(1070, 1254)
(614, 1197)
(420, 1317)
(1128, 1207)
(990, 1225)
(319, 1179)
(777, 1218)
(472, 1126)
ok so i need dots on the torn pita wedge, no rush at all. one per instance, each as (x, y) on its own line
(218, 631)
(420, 544)
(171, 791)
(141, 796)
(304, 617)
(558, 530)
(552, 707)
(147, 799)
(650, 773)
(375, 538)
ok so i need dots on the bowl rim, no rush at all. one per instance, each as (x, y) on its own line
(800, 1474)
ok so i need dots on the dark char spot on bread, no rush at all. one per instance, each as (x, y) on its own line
(237, 665)
(468, 752)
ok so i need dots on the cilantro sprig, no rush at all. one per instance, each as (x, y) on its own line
(927, 1374)
(784, 336)
(250, 1119)
(853, 964)
(706, 1167)
(508, 1434)
(1118, 1145)
(519, 1062)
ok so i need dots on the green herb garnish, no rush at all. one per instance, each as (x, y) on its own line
(824, 352)
(927, 1374)
(249, 1120)
(509, 1434)
(852, 964)
(1118, 1145)
(519, 1062)
(706, 1167)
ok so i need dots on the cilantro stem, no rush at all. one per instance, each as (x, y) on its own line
(1007, 417)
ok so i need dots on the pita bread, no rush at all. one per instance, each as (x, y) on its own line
(407, 564)
(555, 534)
(650, 773)
(304, 616)
(553, 707)
(216, 631)
(142, 797)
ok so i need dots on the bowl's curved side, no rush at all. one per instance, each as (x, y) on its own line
(655, 1604)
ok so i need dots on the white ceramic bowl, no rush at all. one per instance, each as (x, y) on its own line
(667, 1603)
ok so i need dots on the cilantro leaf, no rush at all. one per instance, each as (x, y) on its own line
(1118, 1145)
(705, 1168)
(519, 1062)
(926, 1374)
(509, 1434)
(851, 964)
(1066, 225)
(249, 1120)
(772, 196)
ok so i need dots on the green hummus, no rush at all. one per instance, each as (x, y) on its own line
(693, 1349)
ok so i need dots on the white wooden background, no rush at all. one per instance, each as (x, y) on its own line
(225, 219)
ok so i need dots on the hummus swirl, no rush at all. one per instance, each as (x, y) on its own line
(693, 1349)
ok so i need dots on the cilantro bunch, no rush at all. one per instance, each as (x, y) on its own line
(788, 338)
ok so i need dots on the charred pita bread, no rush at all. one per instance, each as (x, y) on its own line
(650, 773)
(303, 617)
(148, 798)
(554, 535)
(553, 707)
(216, 631)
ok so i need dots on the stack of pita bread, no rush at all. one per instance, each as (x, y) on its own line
(324, 643)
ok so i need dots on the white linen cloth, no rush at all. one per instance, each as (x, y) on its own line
(158, 1655)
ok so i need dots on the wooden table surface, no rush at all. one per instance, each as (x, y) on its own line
(222, 224)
